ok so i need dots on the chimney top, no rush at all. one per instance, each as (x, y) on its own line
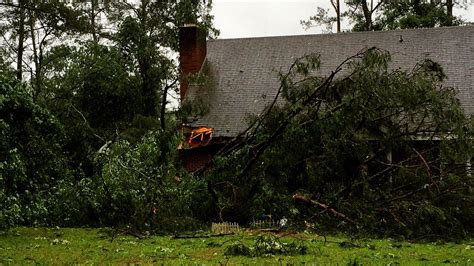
(192, 53)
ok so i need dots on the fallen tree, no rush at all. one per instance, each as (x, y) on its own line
(385, 147)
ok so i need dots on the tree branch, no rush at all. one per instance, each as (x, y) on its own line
(303, 199)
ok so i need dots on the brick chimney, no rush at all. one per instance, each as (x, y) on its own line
(192, 52)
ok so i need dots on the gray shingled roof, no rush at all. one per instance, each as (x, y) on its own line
(244, 71)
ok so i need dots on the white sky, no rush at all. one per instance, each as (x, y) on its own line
(256, 18)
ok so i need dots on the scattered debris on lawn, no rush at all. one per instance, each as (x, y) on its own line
(267, 245)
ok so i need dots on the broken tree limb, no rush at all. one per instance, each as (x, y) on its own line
(303, 199)
(261, 147)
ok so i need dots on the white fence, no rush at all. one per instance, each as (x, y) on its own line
(225, 228)
(264, 224)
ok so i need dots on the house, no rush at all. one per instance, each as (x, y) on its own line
(243, 78)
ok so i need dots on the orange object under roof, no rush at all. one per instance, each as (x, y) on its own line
(200, 137)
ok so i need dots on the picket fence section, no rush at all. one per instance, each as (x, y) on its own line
(225, 228)
(264, 224)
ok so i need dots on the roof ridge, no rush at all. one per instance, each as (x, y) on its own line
(343, 33)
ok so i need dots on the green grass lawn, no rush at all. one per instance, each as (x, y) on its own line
(93, 246)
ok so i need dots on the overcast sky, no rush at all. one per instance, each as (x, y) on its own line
(256, 18)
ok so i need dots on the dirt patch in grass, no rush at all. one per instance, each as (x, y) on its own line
(205, 254)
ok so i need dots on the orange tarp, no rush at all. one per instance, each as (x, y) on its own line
(200, 136)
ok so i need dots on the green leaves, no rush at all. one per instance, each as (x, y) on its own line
(416, 14)
(142, 184)
(31, 158)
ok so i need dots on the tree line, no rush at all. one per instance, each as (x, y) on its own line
(78, 78)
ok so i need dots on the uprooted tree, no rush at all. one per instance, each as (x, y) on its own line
(366, 147)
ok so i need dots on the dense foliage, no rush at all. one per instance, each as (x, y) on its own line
(88, 101)
(138, 184)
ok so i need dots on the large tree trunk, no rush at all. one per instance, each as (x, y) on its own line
(367, 16)
(37, 54)
(337, 7)
(163, 108)
(449, 11)
(148, 87)
(21, 38)
(92, 20)
(338, 16)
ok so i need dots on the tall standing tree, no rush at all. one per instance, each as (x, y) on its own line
(21, 38)
(32, 29)
(13, 30)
